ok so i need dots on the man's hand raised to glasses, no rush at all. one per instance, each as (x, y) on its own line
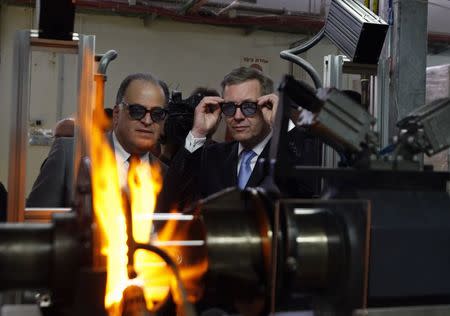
(268, 104)
(206, 115)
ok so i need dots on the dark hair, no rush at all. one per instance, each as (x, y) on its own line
(243, 74)
(165, 89)
(139, 76)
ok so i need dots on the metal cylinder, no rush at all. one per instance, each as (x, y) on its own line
(312, 251)
(234, 244)
(315, 249)
(42, 256)
(25, 255)
(238, 243)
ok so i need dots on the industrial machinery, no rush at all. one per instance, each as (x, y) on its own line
(378, 237)
(356, 30)
(408, 206)
(375, 243)
(359, 248)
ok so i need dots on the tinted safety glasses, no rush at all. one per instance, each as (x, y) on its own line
(138, 111)
(248, 108)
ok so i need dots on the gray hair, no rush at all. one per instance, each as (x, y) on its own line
(140, 76)
(242, 74)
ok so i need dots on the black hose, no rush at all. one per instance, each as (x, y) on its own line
(291, 55)
(301, 94)
(188, 308)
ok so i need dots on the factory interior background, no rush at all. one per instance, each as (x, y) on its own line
(185, 55)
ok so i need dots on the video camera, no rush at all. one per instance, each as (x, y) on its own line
(181, 117)
(177, 104)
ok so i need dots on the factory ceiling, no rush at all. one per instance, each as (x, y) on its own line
(250, 15)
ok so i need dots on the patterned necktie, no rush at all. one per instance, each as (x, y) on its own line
(245, 169)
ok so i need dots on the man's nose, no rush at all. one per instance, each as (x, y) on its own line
(238, 115)
(147, 119)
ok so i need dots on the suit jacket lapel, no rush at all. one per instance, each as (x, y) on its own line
(230, 166)
(258, 173)
(110, 140)
(151, 158)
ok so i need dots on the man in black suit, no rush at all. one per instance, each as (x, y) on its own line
(248, 105)
(138, 118)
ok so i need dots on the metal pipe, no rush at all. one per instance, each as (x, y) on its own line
(37, 11)
(25, 255)
(108, 57)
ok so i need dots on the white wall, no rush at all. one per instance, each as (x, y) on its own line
(184, 55)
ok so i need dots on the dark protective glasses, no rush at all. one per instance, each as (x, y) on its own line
(248, 108)
(138, 112)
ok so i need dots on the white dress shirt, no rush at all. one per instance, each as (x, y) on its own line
(122, 161)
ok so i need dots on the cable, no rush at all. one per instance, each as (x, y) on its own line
(188, 308)
(291, 55)
(133, 246)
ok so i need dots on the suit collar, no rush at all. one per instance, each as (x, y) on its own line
(121, 154)
(258, 149)
(258, 173)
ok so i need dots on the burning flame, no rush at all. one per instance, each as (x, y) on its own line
(109, 211)
(144, 184)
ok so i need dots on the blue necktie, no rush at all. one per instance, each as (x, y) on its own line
(245, 169)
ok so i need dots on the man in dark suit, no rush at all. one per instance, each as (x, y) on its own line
(248, 105)
(138, 118)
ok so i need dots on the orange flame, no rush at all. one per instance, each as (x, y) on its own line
(109, 212)
(144, 183)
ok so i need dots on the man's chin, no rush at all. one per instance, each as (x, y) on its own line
(145, 138)
(240, 137)
(144, 147)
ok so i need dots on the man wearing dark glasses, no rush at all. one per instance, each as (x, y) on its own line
(248, 106)
(138, 119)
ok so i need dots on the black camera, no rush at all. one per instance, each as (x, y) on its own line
(177, 104)
(180, 118)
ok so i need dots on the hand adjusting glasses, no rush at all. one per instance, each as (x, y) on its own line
(137, 112)
(248, 108)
